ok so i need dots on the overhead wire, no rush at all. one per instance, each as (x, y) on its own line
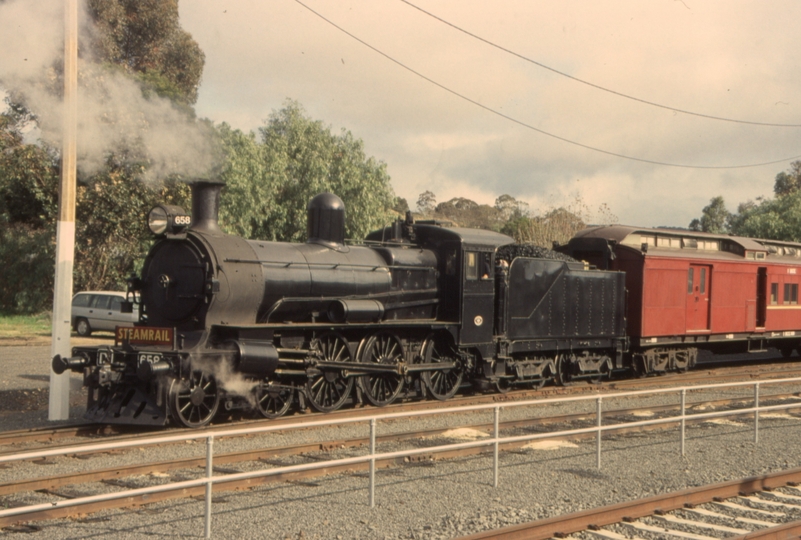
(591, 84)
(529, 126)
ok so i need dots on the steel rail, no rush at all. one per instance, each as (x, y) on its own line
(561, 526)
(328, 422)
(88, 430)
(371, 457)
(53, 482)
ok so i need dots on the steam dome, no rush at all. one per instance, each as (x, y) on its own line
(326, 220)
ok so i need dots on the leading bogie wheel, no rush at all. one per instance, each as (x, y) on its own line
(194, 401)
(329, 389)
(441, 384)
(273, 400)
(382, 388)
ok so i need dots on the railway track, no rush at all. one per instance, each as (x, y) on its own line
(764, 507)
(14, 439)
(132, 476)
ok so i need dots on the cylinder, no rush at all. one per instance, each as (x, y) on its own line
(256, 358)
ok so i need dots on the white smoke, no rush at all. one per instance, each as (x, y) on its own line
(113, 114)
(230, 380)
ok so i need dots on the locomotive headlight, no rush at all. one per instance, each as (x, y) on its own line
(167, 219)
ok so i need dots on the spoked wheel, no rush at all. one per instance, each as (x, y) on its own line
(272, 400)
(564, 371)
(382, 388)
(194, 401)
(328, 390)
(441, 384)
(502, 386)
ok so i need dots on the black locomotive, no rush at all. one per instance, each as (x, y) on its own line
(418, 309)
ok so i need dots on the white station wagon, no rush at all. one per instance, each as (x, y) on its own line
(100, 310)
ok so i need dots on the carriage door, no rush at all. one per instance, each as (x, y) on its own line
(761, 299)
(698, 281)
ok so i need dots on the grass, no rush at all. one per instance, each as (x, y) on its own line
(23, 327)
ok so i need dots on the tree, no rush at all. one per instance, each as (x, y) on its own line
(788, 182)
(774, 219)
(510, 207)
(426, 202)
(142, 40)
(271, 180)
(557, 225)
(145, 38)
(401, 206)
(714, 218)
(467, 213)
(28, 201)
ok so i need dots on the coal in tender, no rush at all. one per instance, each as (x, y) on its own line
(511, 251)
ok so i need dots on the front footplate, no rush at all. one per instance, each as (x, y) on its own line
(126, 405)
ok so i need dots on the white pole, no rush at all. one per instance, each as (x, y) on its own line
(59, 408)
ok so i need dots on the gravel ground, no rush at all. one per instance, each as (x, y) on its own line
(431, 500)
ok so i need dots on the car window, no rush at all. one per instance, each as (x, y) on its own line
(116, 303)
(99, 301)
(81, 300)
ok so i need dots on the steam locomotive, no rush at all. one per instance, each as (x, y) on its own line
(419, 309)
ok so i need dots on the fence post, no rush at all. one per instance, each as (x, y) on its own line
(683, 416)
(496, 434)
(598, 440)
(209, 472)
(372, 463)
(756, 413)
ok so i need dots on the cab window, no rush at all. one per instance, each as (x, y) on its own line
(486, 266)
(471, 265)
(774, 293)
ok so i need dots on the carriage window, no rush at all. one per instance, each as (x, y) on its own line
(774, 293)
(471, 265)
(790, 293)
(690, 281)
(703, 281)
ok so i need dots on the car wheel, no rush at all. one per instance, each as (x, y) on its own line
(83, 328)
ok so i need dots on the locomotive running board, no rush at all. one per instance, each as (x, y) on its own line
(401, 369)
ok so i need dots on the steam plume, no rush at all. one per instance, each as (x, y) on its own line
(113, 114)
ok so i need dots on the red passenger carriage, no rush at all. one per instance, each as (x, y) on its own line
(690, 290)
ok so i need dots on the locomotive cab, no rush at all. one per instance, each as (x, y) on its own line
(467, 271)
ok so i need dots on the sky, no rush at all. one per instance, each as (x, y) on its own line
(472, 99)
(731, 59)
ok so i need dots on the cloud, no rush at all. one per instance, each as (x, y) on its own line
(735, 62)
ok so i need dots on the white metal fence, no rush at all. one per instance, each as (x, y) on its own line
(371, 457)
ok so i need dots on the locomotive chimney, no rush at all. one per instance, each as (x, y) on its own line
(206, 206)
(326, 220)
